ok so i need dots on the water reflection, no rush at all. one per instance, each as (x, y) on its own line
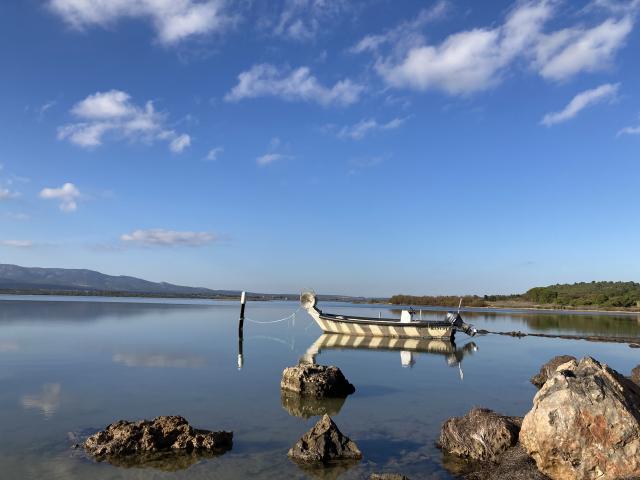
(408, 347)
(306, 407)
(156, 360)
(8, 346)
(163, 461)
(48, 401)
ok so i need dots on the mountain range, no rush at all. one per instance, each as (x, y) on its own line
(40, 280)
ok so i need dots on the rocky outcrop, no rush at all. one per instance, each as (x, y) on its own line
(387, 476)
(324, 443)
(585, 424)
(635, 375)
(481, 434)
(306, 407)
(316, 380)
(166, 433)
(548, 369)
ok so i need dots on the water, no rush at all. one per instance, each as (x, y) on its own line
(71, 366)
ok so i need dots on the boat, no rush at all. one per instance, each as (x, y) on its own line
(405, 327)
(407, 347)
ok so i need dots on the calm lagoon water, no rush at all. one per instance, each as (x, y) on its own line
(70, 366)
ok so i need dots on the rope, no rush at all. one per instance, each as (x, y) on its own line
(288, 317)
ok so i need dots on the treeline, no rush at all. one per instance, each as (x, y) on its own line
(584, 294)
(438, 301)
(598, 294)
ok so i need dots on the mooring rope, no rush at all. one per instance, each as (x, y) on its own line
(288, 317)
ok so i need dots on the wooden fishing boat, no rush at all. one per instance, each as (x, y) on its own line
(405, 327)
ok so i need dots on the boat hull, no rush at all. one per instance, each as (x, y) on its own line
(373, 328)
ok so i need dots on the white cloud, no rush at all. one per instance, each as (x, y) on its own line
(632, 130)
(17, 216)
(214, 154)
(581, 101)
(359, 130)
(477, 59)
(467, 61)
(6, 194)
(179, 143)
(269, 158)
(302, 20)
(17, 243)
(113, 113)
(157, 360)
(567, 52)
(168, 238)
(406, 33)
(67, 195)
(298, 85)
(173, 20)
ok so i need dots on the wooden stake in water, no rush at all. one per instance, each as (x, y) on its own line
(243, 301)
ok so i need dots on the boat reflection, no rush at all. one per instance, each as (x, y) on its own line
(408, 348)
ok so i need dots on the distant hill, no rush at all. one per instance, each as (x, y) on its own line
(43, 280)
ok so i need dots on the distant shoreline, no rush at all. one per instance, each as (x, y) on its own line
(284, 297)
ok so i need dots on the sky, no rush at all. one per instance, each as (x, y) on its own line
(353, 147)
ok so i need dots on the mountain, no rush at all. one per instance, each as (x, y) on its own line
(27, 279)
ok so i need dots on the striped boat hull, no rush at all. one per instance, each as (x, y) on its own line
(331, 324)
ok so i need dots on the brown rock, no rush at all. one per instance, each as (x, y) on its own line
(324, 443)
(316, 380)
(481, 434)
(387, 476)
(512, 464)
(585, 424)
(549, 368)
(635, 375)
(166, 433)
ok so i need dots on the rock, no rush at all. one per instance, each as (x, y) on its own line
(316, 380)
(548, 369)
(306, 407)
(324, 443)
(635, 375)
(481, 434)
(387, 476)
(634, 345)
(170, 433)
(585, 424)
(512, 464)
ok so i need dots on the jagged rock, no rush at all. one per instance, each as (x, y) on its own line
(635, 375)
(585, 424)
(548, 369)
(481, 434)
(306, 407)
(165, 433)
(316, 380)
(324, 443)
(387, 476)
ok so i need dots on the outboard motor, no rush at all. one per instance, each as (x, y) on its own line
(456, 320)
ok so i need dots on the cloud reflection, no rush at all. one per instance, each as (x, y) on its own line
(154, 360)
(8, 346)
(48, 401)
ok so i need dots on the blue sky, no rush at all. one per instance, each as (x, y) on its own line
(358, 147)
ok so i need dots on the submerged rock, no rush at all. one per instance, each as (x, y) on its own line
(306, 407)
(512, 464)
(481, 434)
(585, 424)
(549, 369)
(324, 443)
(316, 380)
(163, 434)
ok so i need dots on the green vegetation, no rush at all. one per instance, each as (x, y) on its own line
(591, 295)
(598, 294)
(439, 301)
